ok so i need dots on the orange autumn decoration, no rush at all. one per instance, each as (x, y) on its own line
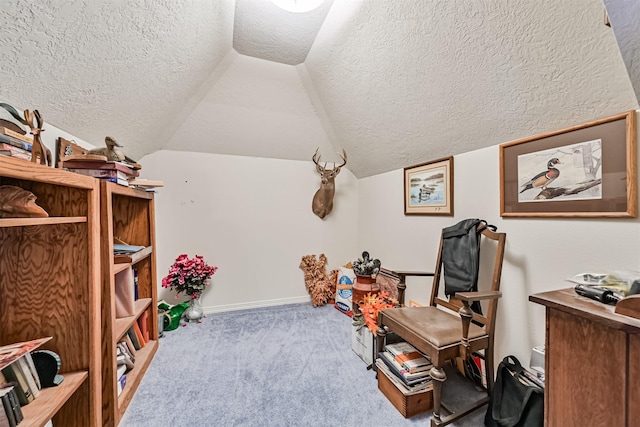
(371, 306)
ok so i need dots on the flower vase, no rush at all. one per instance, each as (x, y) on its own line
(363, 286)
(194, 312)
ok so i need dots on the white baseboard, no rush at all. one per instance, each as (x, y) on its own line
(256, 304)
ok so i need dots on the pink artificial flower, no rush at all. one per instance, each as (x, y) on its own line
(189, 275)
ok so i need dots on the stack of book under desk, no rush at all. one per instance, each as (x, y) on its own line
(403, 377)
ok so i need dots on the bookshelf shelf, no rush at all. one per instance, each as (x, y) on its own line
(124, 323)
(41, 410)
(117, 268)
(50, 287)
(134, 257)
(23, 222)
(127, 215)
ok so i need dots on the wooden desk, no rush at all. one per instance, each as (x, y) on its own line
(592, 362)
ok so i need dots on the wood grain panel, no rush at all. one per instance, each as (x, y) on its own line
(70, 202)
(75, 411)
(45, 268)
(584, 359)
(131, 220)
(26, 171)
(634, 379)
(144, 278)
(55, 199)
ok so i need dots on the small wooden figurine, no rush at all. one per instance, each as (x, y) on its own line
(16, 202)
(111, 152)
(39, 152)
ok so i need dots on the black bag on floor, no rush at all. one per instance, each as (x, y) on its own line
(515, 401)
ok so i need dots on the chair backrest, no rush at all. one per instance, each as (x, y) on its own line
(454, 304)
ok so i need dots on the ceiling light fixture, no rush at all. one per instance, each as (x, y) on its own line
(297, 6)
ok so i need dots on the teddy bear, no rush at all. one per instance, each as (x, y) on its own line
(321, 287)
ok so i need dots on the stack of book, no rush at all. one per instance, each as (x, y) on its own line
(10, 412)
(118, 172)
(19, 380)
(405, 366)
(133, 340)
(15, 144)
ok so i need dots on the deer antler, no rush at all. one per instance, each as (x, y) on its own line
(344, 158)
(316, 159)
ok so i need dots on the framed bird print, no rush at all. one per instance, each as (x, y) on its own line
(428, 188)
(588, 170)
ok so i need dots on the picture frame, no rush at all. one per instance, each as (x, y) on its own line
(65, 148)
(589, 170)
(428, 188)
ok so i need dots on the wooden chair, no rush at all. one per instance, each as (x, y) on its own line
(444, 330)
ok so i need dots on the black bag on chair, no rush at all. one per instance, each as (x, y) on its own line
(515, 401)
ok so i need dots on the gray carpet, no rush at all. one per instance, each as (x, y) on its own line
(288, 365)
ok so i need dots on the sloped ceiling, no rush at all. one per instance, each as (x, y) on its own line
(395, 83)
(625, 20)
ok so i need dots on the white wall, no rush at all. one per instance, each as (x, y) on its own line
(252, 218)
(540, 253)
(50, 133)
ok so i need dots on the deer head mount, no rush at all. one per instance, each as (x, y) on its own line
(322, 204)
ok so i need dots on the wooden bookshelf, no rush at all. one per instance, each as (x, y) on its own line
(50, 286)
(127, 214)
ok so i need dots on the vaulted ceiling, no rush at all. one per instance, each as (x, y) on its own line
(395, 83)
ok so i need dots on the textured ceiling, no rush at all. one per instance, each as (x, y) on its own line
(263, 30)
(395, 83)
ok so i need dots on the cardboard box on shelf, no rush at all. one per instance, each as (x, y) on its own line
(124, 293)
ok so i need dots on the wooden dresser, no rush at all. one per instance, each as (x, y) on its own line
(592, 362)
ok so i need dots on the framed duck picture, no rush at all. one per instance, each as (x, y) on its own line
(428, 188)
(587, 170)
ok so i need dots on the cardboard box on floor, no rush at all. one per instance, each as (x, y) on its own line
(344, 290)
(362, 343)
(344, 296)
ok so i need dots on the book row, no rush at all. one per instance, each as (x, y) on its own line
(133, 340)
(405, 366)
(21, 377)
(13, 151)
